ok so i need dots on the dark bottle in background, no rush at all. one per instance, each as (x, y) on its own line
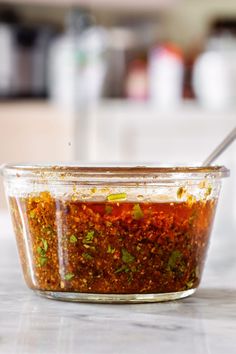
(30, 59)
(24, 56)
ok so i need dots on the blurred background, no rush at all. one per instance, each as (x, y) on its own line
(136, 81)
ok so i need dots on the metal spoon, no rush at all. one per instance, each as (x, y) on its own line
(220, 148)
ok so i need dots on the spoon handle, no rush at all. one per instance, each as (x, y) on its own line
(220, 148)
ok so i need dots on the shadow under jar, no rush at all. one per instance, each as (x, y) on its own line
(112, 234)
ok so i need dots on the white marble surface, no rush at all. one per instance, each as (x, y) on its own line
(202, 324)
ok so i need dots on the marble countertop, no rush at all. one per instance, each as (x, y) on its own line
(202, 324)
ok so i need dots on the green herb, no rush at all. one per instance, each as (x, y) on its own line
(137, 212)
(110, 249)
(123, 268)
(43, 260)
(174, 258)
(116, 197)
(89, 237)
(73, 239)
(126, 256)
(69, 276)
(47, 229)
(108, 209)
(189, 284)
(45, 244)
(40, 250)
(87, 256)
(32, 214)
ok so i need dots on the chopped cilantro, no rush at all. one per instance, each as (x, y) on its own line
(45, 244)
(69, 276)
(73, 239)
(110, 249)
(42, 252)
(39, 250)
(174, 258)
(116, 197)
(137, 212)
(43, 260)
(89, 237)
(87, 256)
(47, 229)
(123, 268)
(189, 284)
(126, 256)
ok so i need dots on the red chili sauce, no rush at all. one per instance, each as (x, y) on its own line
(111, 247)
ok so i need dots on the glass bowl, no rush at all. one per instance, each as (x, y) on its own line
(112, 234)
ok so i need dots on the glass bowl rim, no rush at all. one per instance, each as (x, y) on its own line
(76, 171)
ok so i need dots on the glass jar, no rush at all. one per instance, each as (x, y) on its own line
(112, 234)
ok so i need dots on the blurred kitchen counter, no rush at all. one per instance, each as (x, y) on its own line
(111, 130)
(202, 324)
(34, 131)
